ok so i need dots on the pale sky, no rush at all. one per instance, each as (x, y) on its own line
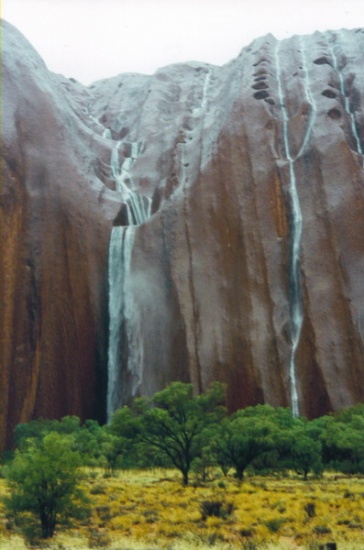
(93, 39)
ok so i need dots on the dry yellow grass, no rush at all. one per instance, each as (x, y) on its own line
(150, 510)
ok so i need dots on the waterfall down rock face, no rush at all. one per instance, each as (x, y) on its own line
(249, 266)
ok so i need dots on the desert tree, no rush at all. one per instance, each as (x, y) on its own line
(173, 422)
(43, 479)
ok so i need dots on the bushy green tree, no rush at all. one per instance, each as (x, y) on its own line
(37, 429)
(94, 443)
(343, 444)
(241, 440)
(173, 422)
(305, 454)
(44, 482)
(112, 447)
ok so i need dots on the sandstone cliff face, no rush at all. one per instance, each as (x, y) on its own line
(55, 223)
(249, 268)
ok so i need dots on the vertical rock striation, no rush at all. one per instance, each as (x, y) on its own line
(55, 223)
(257, 192)
(250, 267)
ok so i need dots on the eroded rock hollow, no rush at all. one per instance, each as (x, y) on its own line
(232, 201)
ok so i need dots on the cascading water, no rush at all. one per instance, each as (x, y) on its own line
(354, 129)
(138, 206)
(120, 254)
(309, 98)
(123, 318)
(296, 233)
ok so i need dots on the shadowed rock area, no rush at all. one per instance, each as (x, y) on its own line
(249, 266)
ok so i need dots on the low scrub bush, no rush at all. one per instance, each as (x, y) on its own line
(310, 509)
(98, 540)
(216, 508)
(274, 524)
(321, 530)
(98, 490)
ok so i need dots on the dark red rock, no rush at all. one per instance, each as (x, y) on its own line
(55, 222)
(208, 289)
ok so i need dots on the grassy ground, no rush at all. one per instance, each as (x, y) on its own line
(150, 510)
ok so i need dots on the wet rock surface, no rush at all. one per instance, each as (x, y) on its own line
(220, 277)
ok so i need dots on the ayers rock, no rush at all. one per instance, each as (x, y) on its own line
(245, 263)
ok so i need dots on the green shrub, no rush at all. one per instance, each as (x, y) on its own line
(310, 509)
(98, 490)
(274, 524)
(321, 530)
(98, 540)
(216, 508)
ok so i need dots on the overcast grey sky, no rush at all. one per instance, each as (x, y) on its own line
(93, 39)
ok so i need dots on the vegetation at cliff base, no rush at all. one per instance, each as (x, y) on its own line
(177, 468)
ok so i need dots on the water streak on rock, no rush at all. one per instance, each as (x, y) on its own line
(296, 233)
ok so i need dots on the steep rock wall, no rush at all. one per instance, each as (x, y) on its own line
(219, 149)
(55, 224)
(224, 154)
